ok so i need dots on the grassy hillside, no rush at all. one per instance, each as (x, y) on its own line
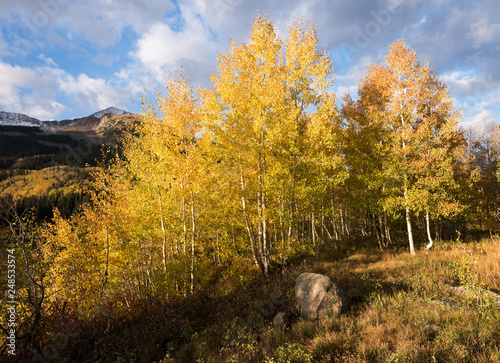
(406, 312)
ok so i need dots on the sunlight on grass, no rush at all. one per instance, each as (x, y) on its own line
(408, 314)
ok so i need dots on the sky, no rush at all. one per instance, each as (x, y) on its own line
(62, 59)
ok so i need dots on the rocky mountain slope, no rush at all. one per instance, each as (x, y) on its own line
(18, 119)
(98, 122)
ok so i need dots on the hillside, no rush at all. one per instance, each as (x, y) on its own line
(104, 126)
(41, 161)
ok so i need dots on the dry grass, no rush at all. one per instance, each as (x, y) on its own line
(402, 295)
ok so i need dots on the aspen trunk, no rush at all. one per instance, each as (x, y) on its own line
(322, 222)
(342, 224)
(407, 207)
(381, 229)
(376, 232)
(265, 237)
(408, 224)
(387, 231)
(232, 232)
(193, 232)
(334, 225)
(363, 224)
(313, 230)
(282, 232)
(162, 224)
(428, 247)
(164, 237)
(183, 217)
(264, 243)
(232, 225)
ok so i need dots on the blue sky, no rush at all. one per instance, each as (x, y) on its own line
(65, 59)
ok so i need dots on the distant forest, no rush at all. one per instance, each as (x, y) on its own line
(25, 150)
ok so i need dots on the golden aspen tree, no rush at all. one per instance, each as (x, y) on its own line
(257, 114)
(405, 113)
(140, 235)
(165, 156)
(326, 164)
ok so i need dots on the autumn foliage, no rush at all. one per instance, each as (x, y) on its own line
(262, 167)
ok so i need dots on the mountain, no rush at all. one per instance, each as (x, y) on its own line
(113, 110)
(18, 119)
(102, 123)
(92, 122)
(27, 143)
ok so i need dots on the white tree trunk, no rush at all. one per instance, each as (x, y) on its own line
(408, 223)
(428, 247)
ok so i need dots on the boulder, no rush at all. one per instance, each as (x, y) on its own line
(445, 304)
(318, 296)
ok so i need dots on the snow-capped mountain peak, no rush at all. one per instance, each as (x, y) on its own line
(115, 110)
(17, 119)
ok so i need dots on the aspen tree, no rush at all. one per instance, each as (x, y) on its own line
(406, 118)
(258, 118)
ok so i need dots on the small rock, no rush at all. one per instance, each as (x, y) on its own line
(444, 303)
(280, 319)
(476, 292)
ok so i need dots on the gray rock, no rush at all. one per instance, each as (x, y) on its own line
(318, 296)
(476, 292)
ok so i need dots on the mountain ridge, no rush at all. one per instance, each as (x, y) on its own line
(19, 119)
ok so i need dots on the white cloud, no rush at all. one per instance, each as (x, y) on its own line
(348, 84)
(464, 83)
(162, 48)
(98, 21)
(105, 59)
(12, 77)
(482, 32)
(476, 121)
(49, 61)
(94, 93)
(460, 39)
(3, 46)
(28, 91)
(34, 91)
